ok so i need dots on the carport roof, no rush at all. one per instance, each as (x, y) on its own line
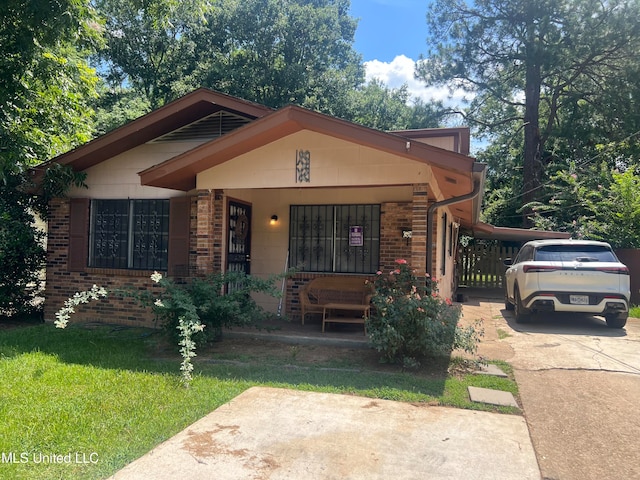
(490, 232)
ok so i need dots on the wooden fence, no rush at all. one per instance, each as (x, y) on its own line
(481, 265)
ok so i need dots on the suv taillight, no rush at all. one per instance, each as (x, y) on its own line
(617, 270)
(539, 268)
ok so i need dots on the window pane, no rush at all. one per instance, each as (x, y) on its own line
(149, 248)
(109, 233)
(311, 237)
(129, 234)
(335, 238)
(357, 238)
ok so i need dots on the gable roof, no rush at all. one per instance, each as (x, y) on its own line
(180, 172)
(168, 118)
(455, 173)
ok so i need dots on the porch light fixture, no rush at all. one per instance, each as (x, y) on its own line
(406, 233)
(274, 220)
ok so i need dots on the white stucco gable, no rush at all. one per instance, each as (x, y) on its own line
(332, 162)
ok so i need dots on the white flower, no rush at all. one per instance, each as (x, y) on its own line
(158, 303)
(156, 277)
(64, 314)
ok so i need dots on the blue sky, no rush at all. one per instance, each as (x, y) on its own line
(388, 28)
(391, 35)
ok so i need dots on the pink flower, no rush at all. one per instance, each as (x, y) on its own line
(401, 261)
(449, 302)
(396, 271)
(378, 272)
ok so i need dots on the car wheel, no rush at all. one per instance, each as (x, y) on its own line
(616, 321)
(507, 304)
(523, 315)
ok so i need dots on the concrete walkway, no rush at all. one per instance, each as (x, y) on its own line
(579, 385)
(268, 433)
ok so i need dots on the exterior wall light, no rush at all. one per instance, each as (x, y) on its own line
(274, 219)
(406, 233)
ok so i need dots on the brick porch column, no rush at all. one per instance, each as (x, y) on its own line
(419, 228)
(204, 234)
(218, 229)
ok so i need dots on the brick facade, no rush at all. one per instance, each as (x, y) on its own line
(62, 283)
(206, 254)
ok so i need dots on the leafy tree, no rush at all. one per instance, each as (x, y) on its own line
(593, 202)
(22, 251)
(149, 45)
(46, 88)
(527, 62)
(268, 51)
(380, 107)
(45, 83)
(276, 53)
(117, 106)
(377, 106)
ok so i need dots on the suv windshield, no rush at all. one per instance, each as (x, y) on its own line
(571, 253)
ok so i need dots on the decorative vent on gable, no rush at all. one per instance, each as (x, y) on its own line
(207, 128)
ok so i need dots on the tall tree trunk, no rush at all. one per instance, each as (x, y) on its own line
(532, 161)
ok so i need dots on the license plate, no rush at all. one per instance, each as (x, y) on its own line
(579, 299)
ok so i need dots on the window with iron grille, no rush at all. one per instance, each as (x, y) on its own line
(335, 238)
(129, 234)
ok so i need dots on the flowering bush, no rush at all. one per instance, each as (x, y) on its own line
(410, 320)
(186, 309)
(220, 300)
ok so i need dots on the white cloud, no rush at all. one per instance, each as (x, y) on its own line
(400, 71)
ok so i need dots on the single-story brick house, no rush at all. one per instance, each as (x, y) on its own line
(211, 183)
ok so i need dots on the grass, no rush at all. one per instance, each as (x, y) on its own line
(101, 397)
(634, 312)
(502, 334)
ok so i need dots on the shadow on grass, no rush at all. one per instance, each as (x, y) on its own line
(137, 349)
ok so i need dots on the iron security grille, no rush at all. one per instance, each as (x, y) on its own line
(129, 234)
(335, 238)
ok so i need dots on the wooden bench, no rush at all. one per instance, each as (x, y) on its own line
(331, 296)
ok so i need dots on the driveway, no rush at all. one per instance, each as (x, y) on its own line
(579, 386)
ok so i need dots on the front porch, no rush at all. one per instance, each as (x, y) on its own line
(300, 236)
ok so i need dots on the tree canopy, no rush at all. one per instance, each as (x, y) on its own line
(534, 68)
(268, 51)
(46, 85)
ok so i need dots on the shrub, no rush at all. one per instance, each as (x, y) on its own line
(409, 320)
(22, 255)
(219, 301)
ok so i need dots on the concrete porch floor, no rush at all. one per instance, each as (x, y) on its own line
(292, 331)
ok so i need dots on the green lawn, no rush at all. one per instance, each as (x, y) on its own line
(84, 402)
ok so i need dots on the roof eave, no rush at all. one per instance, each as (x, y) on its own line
(289, 120)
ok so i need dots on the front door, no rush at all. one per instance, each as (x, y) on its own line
(239, 237)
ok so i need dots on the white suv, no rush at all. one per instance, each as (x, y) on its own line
(568, 276)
